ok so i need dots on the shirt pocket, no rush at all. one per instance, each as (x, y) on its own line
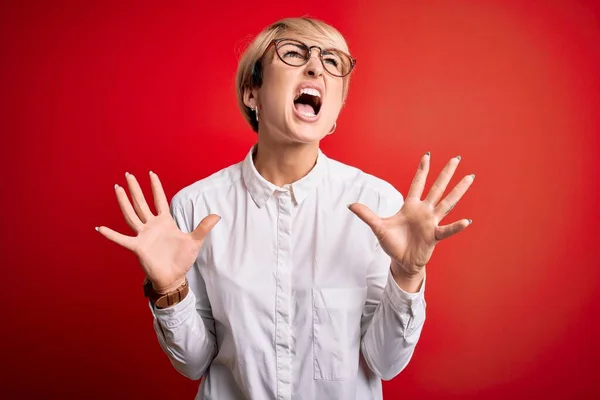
(336, 331)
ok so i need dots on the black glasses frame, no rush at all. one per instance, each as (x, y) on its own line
(308, 56)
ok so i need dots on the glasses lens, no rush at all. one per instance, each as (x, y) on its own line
(336, 62)
(292, 52)
(295, 53)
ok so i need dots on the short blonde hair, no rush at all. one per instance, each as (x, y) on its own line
(249, 72)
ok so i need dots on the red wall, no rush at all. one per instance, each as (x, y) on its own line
(90, 90)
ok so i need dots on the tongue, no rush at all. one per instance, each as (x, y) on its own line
(305, 108)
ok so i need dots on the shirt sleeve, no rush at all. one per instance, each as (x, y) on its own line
(392, 318)
(186, 331)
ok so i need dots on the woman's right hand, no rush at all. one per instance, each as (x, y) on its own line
(165, 252)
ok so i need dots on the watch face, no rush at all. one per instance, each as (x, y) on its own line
(147, 287)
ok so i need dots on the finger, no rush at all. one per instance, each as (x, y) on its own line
(139, 202)
(160, 199)
(126, 241)
(418, 184)
(368, 217)
(205, 226)
(438, 187)
(128, 212)
(454, 196)
(445, 231)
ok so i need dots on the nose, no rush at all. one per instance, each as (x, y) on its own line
(314, 67)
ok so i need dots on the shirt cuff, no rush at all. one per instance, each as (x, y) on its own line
(172, 316)
(402, 300)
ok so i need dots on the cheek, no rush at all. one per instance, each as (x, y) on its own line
(334, 100)
(274, 93)
(270, 100)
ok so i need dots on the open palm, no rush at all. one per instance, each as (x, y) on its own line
(165, 252)
(409, 237)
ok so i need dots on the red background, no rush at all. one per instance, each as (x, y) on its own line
(90, 90)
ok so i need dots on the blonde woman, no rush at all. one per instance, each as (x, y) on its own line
(261, 278)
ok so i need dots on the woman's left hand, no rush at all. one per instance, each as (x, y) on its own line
(410, 236)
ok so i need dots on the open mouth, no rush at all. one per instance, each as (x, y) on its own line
(308, 102)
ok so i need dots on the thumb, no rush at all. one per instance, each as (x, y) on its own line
(205, 226)
(369, 217)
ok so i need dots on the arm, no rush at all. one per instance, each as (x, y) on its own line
(408, 237)
(168, 249)
(186, 331)
(392, 320)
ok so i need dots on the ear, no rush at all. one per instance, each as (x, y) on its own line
(250, 97)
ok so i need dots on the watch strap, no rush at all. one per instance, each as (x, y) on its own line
(164, 300)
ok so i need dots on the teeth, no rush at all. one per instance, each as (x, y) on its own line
(309, 91)
(309, 115)
(312, 92)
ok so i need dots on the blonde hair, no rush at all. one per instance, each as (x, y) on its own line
(249, 72)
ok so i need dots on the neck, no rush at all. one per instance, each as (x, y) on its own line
(283, 163)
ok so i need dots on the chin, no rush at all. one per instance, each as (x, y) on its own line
(306, 133)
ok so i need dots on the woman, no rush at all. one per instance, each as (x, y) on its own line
(259, 277)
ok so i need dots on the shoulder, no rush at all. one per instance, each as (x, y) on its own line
(220, 180)
(389, 197)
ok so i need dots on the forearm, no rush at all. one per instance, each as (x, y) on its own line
(184, 337)
(390, 339)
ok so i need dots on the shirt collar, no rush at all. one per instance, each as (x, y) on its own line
(260, 189)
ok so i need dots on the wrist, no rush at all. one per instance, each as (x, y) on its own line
(410, 282)
(164, 289)
(168, 297)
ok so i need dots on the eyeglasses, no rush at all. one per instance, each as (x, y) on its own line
(296, 54)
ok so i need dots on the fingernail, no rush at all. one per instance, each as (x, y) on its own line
(126, 174)
(428, 153)
(150, 172)
(116, 186)
(470, 222)
(97, 229)
(458, 158)
(349, 204)
(473, 176)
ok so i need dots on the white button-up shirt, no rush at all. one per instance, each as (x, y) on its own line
(291, 295)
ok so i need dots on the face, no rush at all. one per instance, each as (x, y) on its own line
(298, 104)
